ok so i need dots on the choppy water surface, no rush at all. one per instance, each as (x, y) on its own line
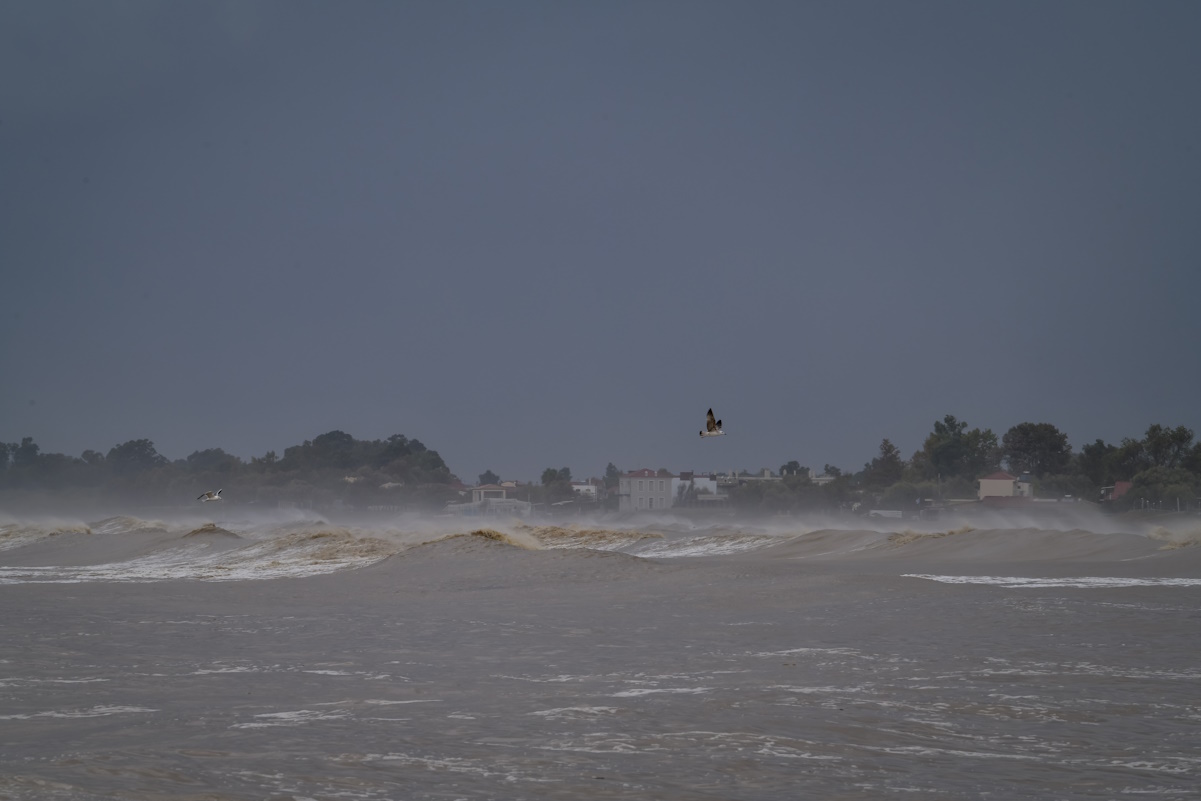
(254, 659)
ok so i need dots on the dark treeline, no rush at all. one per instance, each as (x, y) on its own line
(1164, 468)
(330, 469)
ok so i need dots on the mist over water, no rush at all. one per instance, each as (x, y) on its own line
(245, 654)
(238, 544)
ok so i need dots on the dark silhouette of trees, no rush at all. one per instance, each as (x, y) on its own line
(1036, 448)
(133, 457)
(313, 472)
(612, 476)
(951, 451)
(1164, 447)
(1164, 467)
(1094, 462)
(886, 469)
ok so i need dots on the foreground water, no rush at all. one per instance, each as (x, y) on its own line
(273, 659)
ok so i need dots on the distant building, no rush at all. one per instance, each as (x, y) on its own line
(486, 491)
(645, 491)
(999, 485)
(694, 488)
(589, 490)
(492, 500)
(1118, 489)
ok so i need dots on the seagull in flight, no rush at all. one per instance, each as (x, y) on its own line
(712, 426)
(210, 496)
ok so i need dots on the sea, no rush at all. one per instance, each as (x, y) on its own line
(220, 653)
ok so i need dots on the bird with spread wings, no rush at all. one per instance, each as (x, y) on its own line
(712, 426)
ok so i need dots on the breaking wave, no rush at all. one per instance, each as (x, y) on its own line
(574, 536)
(267, 546)
(18, 535)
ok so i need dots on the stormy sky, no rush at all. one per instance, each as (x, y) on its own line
(553, 234)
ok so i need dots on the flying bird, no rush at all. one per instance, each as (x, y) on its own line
(210, 496)
(712, 426)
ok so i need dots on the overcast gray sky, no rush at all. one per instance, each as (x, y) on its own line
(554, 234)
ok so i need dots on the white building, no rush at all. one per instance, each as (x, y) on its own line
(585, 489)
(645, 491)
(493, 500)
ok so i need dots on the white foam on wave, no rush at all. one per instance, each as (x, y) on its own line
(820, 651)
(1078, 582)
(713, 545)
(653, 690)
(294, 555)
(94, 712)
(790, 688)
(489, 769)
(575, 712)
(384, 702)
(15, 681)
(297, 718)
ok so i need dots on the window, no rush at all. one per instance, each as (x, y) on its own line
(640, 486)
(652, 502)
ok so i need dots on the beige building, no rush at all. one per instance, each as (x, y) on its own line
(999, 484)
(645, 491)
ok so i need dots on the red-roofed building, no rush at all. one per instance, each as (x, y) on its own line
(1118, 489)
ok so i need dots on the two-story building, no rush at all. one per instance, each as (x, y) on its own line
(645, 491)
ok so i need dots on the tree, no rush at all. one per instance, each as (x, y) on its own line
(886, 469)
(1168, 484)
(904, 496)
(488, 477)
(25, 455)
(212, 460)
(793, 468)
(1166, 447)
(612, 476)
(263, 463)
(832, 471)
(983, 454)
(556, 484)
(1038, 448)
(1094, 462)
(945, 447)
(133, 457)
(952, 451)
(1192, 462)
(334, 449)
(1127, 460)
